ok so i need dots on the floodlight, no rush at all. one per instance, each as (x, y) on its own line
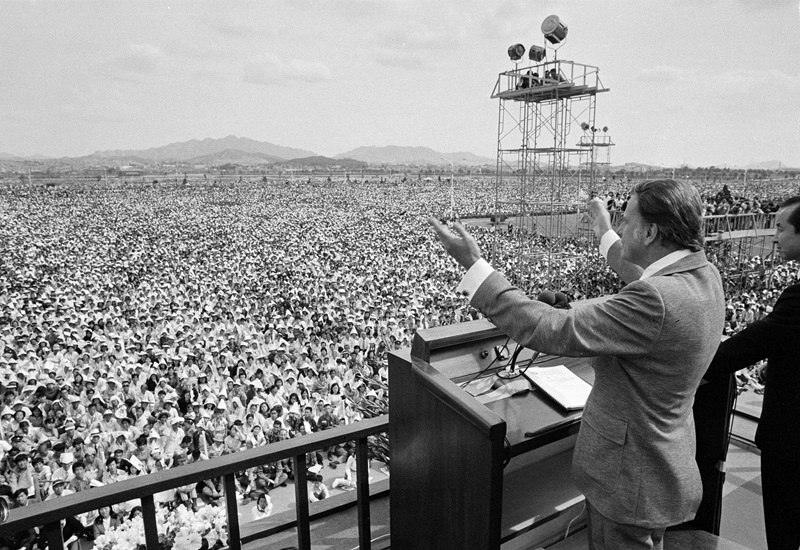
(536, 53)
(605, 128)
(553, 29)
(584, 126)
(516, 52)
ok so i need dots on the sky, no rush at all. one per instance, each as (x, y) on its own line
(697, 82)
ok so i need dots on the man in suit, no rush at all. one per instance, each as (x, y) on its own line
(776, 338)
(635, 455)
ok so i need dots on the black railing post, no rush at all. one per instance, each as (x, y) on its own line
(301, 502)
(234, 537)
(150, 526)
(362, 494)
(53, 535)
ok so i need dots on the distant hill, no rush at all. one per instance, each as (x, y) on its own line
(233, 156)
(635, 166)
(394, 154)
(111, 160)
(6, 156)
(186, 150)
(767, 165)
(346, 163)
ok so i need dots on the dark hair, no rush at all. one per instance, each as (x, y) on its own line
(794, 217)
(675, 207)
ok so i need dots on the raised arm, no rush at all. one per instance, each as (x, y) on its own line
(600, 221)
(627, 271)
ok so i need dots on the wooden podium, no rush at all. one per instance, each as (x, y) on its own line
(467, 475)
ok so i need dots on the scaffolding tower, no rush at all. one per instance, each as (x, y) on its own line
(597, 147)
(742, 248)
(547, 154)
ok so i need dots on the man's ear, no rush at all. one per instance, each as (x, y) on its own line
(651, 234)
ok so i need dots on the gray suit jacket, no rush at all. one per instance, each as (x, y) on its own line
(635, 454)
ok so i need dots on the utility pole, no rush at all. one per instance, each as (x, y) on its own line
(452, 193)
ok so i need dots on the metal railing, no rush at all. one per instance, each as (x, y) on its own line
(728, 223)
(48, 515)
(759, 224)
(562, 73)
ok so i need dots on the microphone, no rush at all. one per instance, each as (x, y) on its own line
(561, 301)
(551, 299)
(501, 353)
(548, 297)
(510, 370)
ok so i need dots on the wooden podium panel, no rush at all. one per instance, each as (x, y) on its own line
(447, 454)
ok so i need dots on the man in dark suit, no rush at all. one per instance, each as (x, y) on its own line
(634, 459)
(776, 338)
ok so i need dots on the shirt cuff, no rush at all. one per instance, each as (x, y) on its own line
(607, 241)
(474, 278)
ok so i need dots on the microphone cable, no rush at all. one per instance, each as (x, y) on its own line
(480, 373)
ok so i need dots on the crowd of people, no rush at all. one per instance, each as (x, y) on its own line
(148, 326)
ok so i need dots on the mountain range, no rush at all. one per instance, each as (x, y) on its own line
(245, 151)
(393, 154)
(185, 151)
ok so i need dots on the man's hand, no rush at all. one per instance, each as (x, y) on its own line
(460, 245)
(598, 217)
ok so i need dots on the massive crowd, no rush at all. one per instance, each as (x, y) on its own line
(145, 326)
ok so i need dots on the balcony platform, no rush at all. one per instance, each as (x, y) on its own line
(673, 540)
(549, 91)
(334, 523)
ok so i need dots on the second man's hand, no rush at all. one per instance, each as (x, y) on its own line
(598, 217)
(459, 244)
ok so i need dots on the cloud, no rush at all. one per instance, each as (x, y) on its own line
(412, 49)
(752, 5)
(270, 70)
(514, 20)
(416, 39)
(660, 74)
(135, 60)
(92, 101)
(398, 59)
(741, 81)
(767, 4)
(234, 25)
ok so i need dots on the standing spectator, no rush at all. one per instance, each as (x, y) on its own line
(775, 338)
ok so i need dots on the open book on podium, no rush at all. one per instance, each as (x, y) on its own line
(564, 386)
